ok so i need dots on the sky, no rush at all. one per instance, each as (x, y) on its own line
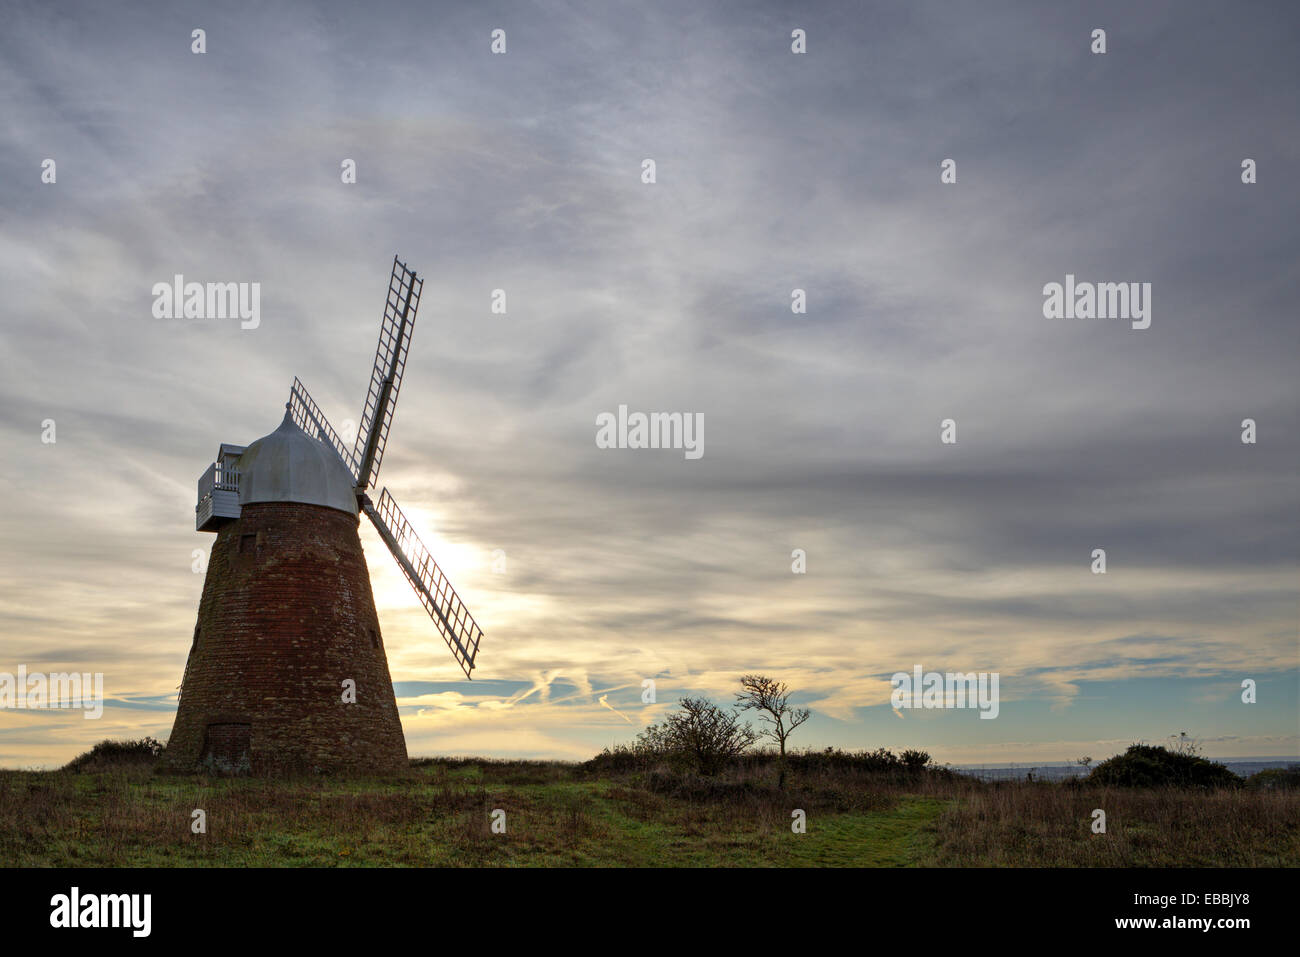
(774, 171)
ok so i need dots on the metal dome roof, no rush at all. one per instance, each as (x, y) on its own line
(290, 466)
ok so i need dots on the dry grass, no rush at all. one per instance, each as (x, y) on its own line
(439, 814)
(136, 818)
(1050, 825)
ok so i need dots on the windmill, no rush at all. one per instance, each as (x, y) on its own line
(287, 670)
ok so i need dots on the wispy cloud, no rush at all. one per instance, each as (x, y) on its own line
(819, 172)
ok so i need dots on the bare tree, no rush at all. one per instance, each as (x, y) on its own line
(771, 699)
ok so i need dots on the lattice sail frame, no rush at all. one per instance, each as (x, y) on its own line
(400, 307)
(455, 623)
(307, 415)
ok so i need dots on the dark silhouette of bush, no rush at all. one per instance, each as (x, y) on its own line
(1275, 779)
(1151, 766)
(650, 755)
(914, 760)
(621, 758)
(108, 755)
(700, 736)
(881, 761)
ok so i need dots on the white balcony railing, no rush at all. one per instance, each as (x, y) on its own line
(218, 476)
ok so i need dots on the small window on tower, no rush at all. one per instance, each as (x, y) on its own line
(374, 638)
(195, 647)
(248, 543)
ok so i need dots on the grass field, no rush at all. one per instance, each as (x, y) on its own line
(567, 815)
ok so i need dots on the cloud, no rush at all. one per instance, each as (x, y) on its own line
(776, 171)
(603, 701)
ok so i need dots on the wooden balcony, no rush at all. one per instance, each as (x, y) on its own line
(218, 495)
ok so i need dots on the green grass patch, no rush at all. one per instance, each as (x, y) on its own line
(440, 813)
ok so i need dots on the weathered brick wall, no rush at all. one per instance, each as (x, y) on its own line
(286, 615)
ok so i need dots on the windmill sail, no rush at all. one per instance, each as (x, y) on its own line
(449, 614)
(386, 378)
(308, 417)
(454, 622)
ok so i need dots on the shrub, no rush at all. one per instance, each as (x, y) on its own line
(117, 754)
(914, 760)
(653, 750)
(620, 758)
(1276, 779)
(704, 735)
(881, 761)
(701, 737)
(1151, 766)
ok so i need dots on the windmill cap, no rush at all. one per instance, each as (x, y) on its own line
(290, 466)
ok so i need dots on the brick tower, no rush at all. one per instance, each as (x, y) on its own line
(286, 618)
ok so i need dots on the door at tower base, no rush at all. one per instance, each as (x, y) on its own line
(286, 628)
(227, 749)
